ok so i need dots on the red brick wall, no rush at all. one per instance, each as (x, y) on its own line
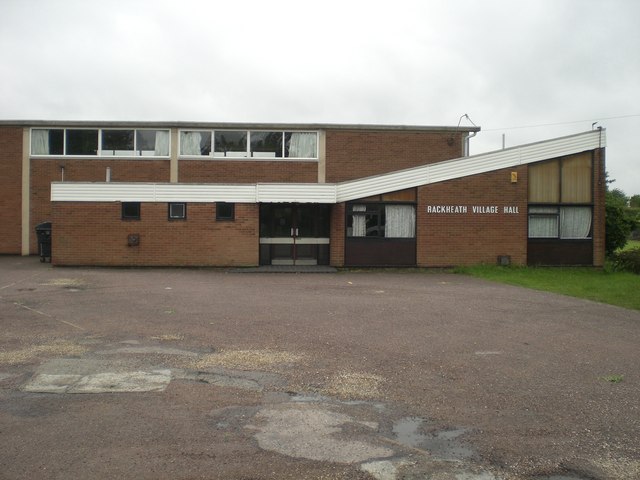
(10, 190)
(217, 171)
(468, 238)
(599, 188)
(45, 171)
(337, 235)
(94, 234)
(354, 154)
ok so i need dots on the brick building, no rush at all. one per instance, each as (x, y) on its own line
(200, 194)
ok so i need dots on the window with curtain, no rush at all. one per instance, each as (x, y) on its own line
(161, 143)
(357, 223)
(566, 184)
(195, 143)
(575, 222)
(47, 141)
(151, 143)
(400, 221)
(301, 144)
(543, 222)
(112, 142)
(381, 220)
(560, 222)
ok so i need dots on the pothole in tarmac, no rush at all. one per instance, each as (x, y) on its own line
(443, 444)
(326, 429)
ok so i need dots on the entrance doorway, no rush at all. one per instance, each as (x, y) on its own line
(294, 234)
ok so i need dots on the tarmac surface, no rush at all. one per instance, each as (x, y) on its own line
(212, 374)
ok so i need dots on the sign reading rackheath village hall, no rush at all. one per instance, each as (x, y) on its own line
(473, 209)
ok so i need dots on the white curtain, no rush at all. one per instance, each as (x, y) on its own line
(543, 227)
(400, 221)
(303, 145)
(39, 142)
(190, 143)
(575, 222)
(162, 143)
(359, 222)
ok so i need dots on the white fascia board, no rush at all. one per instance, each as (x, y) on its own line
(151, 192)
(296, 192)
(329, 193)
(102, 192)
(180, 192)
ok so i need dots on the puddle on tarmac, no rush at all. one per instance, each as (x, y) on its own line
(442, 444)
(561, 477)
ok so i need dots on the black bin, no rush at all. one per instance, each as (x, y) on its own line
(43, 231)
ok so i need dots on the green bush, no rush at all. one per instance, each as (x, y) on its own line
(619, 222)
(627, 261)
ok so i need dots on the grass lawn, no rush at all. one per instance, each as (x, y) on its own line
(615, 288)
(631, 244)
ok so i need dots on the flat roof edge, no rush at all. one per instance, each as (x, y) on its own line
(234, 125)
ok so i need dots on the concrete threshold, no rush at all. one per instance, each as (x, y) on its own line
(286, 269)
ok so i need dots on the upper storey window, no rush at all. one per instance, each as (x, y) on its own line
(100, 142)
(254, 144)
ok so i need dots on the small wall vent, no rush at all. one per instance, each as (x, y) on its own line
(504, 260)
(133, 239)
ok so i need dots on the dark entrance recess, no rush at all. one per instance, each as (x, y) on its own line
(294, 234)
(560, 252)
(380, 252)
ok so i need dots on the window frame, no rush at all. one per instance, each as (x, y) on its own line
(377, 209)
(248, 154)
(87, 129)
(558, 216)
(127, 217)
(99, 150)
(229, 218)
(174, 217)
(560, 205)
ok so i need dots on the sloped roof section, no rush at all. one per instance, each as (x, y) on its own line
(329, 193)
(466, 166)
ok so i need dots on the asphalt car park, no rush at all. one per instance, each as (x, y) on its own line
(212, 373)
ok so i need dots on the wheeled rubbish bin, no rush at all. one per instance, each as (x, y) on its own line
(43, 231)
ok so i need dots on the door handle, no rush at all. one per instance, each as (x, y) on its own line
(292, 231)
(296, 232)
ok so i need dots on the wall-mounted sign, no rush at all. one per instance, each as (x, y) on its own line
(473, 209)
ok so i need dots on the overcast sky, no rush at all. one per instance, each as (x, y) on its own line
(512, 66)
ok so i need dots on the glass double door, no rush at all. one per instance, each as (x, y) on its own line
(294, 234)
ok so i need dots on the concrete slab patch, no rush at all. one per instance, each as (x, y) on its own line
(381, 469)
(155, 381)
(47, 383)
(475, 476)
(312, 432)
(108, 382)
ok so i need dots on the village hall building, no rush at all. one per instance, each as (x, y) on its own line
(226, 194)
